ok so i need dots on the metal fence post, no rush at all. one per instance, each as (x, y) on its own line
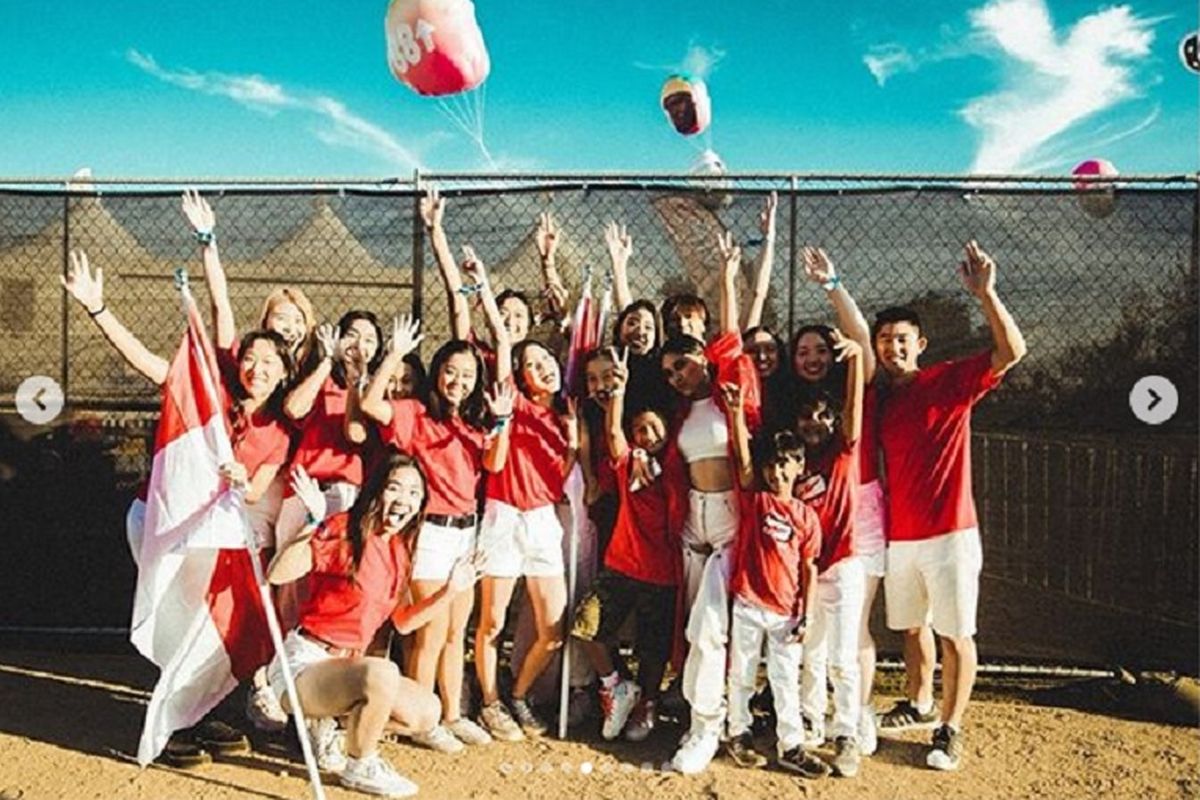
(792, 234)
(65, 350)
(418, 248)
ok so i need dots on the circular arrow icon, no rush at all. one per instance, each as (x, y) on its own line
(1154, 399)
(39, 399)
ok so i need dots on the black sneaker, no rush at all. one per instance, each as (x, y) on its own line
(947, 749)
(904, 716)
(846, 758)
(803, 763)
(741, 750)
(220, 738)
(182, 752)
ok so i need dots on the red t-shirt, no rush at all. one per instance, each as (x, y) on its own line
(869, 443)
(537, 453)
(324, 451)
(450, 452)
(642, 547)
(263, 439)
(925, 432)
(775, 537)
(347, 611)
(834, 497)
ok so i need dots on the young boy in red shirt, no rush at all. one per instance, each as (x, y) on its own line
(773, 584)
(642, 569)
(934, 553)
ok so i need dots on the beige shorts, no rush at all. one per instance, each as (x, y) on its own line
(934, 581)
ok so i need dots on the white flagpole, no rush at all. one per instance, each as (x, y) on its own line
(264, 590)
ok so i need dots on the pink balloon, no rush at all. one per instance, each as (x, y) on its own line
(435, 47)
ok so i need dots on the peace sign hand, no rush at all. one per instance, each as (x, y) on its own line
(731, 255)
(472, 267)
(547, 236)
(766, 218)
(978, 271)
(433, 208)
(620, 370)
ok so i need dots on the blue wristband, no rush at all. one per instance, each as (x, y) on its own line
(206, 237)
(832, 283)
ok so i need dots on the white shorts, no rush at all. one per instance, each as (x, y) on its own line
(516, 543)
(934, 581)
(438, 547)
(875, 564)
(301, 653)
(870, 520)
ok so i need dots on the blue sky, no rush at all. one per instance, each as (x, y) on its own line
(221, 88)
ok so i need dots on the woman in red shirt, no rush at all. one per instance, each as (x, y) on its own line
(445, 431)
(324, 407)
(356, 565)
(521, 534)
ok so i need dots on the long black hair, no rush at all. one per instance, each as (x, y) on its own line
(518, 357)
(366, 515)
(639, 305)
(472, 409)
(836, 376)
(348, 319)
(274, 405)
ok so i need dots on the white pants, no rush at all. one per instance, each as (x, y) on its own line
(750, 626)
(712, 523)
(832, 645)
(292, 515)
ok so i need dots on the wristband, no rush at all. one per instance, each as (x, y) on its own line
(98, 311)
(470, 288)
(832, 283)
(501, 423)
(616, 392)
(206, 237)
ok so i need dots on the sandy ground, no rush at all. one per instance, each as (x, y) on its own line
(69, 724)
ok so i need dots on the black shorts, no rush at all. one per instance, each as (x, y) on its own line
(610, 601)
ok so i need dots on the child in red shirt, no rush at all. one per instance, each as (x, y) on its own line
(642, 568)
(773, 585)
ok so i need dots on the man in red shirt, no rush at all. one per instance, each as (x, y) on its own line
(934, 553)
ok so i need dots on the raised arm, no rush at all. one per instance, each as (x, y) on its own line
(731, 262)
(766, 259)
(614, 431)
(299, 401)
(200, 216)
(433, 209)
(739, 430)
(620, 248)
(405, 339)
(475, 270)
(295, 560)
(820, 270)
(851, 353)
(978, 273)
(500, 403)
(573, 423)
(88, 290)
(553, 289)
(354, 424)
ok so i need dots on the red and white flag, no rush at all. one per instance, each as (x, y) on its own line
(197, 611)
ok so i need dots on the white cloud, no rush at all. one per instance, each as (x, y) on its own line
(337, 125)
(699, 61)
(886, 60)
(1054, 81)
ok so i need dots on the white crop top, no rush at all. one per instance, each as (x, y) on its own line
(704, 433)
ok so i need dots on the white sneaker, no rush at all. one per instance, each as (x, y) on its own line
(468, 732)
(327, 745)
(440, 740)
(695, 753)
(617, 703)
(373, 775)
(868, 737)
(262, 706)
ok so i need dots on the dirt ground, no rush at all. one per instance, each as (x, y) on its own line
(69, 725)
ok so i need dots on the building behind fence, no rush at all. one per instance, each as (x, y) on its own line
(1089, 517)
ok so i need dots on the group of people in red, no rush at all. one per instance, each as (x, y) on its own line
(747, 494)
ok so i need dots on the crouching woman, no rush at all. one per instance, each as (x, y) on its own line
(357, 566)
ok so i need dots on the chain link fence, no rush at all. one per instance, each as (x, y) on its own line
(1078, 499)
